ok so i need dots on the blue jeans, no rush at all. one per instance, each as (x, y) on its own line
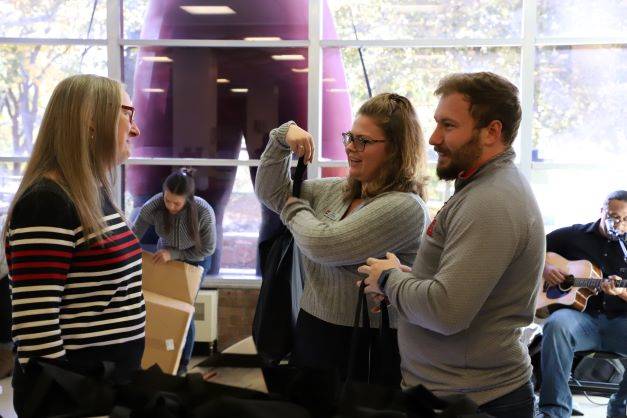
(516, 404)
(189, 346)
(565, 332)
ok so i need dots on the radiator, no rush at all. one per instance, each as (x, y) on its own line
(206, 316)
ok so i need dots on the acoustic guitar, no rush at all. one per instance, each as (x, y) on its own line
(583, 281)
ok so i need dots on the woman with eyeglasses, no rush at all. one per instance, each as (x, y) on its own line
(74, 263)
(381, 198)
(186, 226)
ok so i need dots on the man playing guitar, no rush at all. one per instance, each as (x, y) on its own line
(602, 326)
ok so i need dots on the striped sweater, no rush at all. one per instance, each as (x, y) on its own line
(67, 294)
(178, 240)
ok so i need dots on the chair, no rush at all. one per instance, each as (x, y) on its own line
(577, 386)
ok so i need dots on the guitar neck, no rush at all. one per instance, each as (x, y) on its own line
(596, 283)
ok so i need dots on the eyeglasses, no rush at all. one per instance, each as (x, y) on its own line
(130, 115)
(359, 141)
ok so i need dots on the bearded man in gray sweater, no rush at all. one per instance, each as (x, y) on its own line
(474, 280)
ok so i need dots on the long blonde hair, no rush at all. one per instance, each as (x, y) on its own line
(405, 167)
(77, 146)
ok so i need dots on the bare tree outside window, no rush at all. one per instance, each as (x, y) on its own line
(28, 73)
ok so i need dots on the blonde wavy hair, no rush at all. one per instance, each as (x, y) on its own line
(76, 146)
(405, 167)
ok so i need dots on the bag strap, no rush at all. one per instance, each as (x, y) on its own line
(361, 311)
(298, 177)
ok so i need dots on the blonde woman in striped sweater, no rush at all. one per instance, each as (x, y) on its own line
(74, 264)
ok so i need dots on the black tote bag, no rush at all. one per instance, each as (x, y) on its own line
(273, 324)
(364, 400)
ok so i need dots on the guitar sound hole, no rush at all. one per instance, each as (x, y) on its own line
(564, 287)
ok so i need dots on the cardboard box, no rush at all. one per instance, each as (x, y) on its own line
(169, 292)
(167, 321)
(174, 279)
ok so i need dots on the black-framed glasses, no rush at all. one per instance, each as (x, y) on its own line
(359, 141)
(130, 115)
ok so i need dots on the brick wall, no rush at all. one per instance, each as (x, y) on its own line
(236, 308)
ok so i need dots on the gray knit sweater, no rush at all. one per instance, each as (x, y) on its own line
(473, 288)
(333, 247)
(179, 240)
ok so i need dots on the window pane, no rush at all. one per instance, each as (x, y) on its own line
(386, 19)
(235, 19)
(200, 102)
(564, 201)
(80, 19)
(10, 178)
(411, 72)
(229, 191)
(581, 18)
(579, 104)
(28, 74)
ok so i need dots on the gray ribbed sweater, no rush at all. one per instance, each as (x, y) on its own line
(333, 247)
(179, 240)
(473, 288)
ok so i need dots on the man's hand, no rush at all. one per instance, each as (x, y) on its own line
(609, 287)
(373, 269)
(553, 275)
(301, 142)
(162, 256)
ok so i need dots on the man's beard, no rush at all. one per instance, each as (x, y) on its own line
(460, 160)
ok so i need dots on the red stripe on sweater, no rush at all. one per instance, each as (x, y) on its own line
(49, 276)
(111, 239)
(38, 253)
(40, 264)
(108, 260)
(100, 251)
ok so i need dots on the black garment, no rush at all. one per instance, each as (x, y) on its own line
(585, 242)
(516, 404)
(321, 345)
(126, 356)
(5, 310)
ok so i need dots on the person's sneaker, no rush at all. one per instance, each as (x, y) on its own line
(6, 362)
(617, 407)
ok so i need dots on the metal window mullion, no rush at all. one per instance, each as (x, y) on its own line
(52, 41)
(194, 162)
(214, 43)
(575, 166)
(13, 159)
(314, 85)
(527, 84)
(114, 67)
(593, 40)
(422, 43)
